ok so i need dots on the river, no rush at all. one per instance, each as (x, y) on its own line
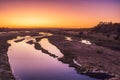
(29, 63)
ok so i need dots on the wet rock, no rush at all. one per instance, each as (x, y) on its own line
(30, 42)
(37, 46)
(38, 39)
(100, 75)
(19, 40)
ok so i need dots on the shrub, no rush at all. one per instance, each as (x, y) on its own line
(99, 51)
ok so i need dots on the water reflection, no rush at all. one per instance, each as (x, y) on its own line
(29, 38)
(76, 62)
(9, 32)
(27, 31)
(14, 40)
(51, 48)
(38, 47)
(29, 63)
(82, 41)
(2, 32)
(45, 33)
(85, 42)
(68, 38)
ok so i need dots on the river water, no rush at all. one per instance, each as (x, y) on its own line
(28, 63)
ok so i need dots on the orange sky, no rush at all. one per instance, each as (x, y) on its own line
(56, 13)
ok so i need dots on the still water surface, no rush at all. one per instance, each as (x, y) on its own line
(27, 63)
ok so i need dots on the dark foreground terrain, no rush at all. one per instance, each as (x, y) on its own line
(99, 59)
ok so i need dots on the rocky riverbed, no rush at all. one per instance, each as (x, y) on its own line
(88, 59)
(96, 61)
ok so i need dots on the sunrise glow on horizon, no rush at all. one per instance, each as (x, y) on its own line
(57, 13)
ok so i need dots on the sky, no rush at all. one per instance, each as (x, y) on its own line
(57, 13)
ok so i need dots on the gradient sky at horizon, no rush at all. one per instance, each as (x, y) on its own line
(58, 13)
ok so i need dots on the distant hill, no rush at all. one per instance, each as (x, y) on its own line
(107, 27)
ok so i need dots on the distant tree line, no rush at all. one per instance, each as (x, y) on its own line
(4, 29)
(108, 28)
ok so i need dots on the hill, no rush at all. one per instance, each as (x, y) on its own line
(107, 27)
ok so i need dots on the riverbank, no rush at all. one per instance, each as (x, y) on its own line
(96, 61)
(5, 70)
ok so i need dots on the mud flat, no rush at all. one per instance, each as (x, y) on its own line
(96, 61)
